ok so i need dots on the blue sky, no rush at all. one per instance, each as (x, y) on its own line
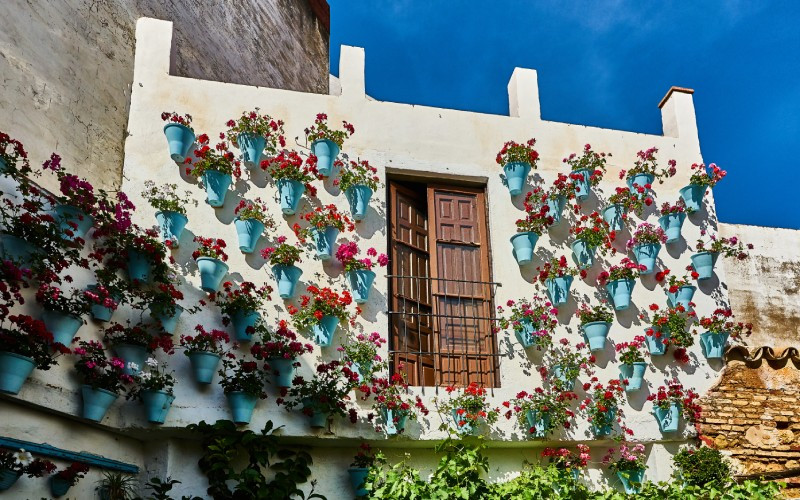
(608, 64)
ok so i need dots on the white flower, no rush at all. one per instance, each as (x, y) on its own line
(145, 376)
(133, 367)
(152, 363)
(23, 457)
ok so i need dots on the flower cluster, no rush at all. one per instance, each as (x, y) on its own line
(347, 255)
(678, 207)
(328, 392)
(139, 335)
(565, 363)
(675, 394)
(254, 210)
(163, 300)
(364, 457)
(675, 282)
(280, 344)
(290, 165)
(589, 314)
(357, 173)
(392, 395)
(241, 375)
(552, 402)
(284, 254)
(589, 160)
(625, 270)
(727, 247)
(152, 377)
(217, 159)
(74, 303)
(646, 164)
(73, 473)
(563, 458)
(470, 406)
(13, 154)
(321, 130)
(322, 302)
(22, 462)
(629, 201)
(630, 459)
(244, 297)
(166, 197)
(173, 117)
(671, 321)
(537, 316)
(702, 177)
(363, 353)
(556, 268)
(252, 123)
(631, 352)
(721, 321)
(29, 337)
(602, 403)
(97, 370)
(518, 153)
(321, 218)
(203, 341)
(561, 187)
(211, 248)
(538, 217)
(594, 232)
(646, 233)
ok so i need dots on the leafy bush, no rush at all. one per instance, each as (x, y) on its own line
(700, 466)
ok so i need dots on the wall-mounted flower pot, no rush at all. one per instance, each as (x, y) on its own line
(242, 321)
(640, 180)
(634, 374)
(139, 266)
(287, 278)
(358, 196)
(703, 263)
(204, 365)
(171, 225)
(714, 344)
(3, 165)
(358, 475)
(249, 231)
(582, 185)
(62, 326)
(168, 322)
(216, 184)
(242, 406)
(326, 152)
(582, 254)
(462, 425)
(319, 420)
(656, 342)
(324, 241)
(180, 139)
(100, 312)
(646, 255)
(595, 333)
(290, 192)
(58, 486)
(668, 419)
(252, 147)
(556, 208)
(516, 174)
(324, 330)
(539, 422)
(212, 272)
(14, 371)
(392, 426)
(562, 379)
(620, 292)
(605, 430)
(360, 282)
(523, 245)
(525, 333)
(683, 296)
(285, 371)
(73, 222)
(692, 195)
(129, 353)
(361, 370)
(96, 402)
(8, 478)
(157, 405)
(558, 289)
(613, 215)
(18, 250)
(631, 480)
(672, 224)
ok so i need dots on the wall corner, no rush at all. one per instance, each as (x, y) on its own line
(523, 94)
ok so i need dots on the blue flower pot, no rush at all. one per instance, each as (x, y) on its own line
(523, 245)
(18, 250)
(324, 330)
(212, 272)
(582, 186)
(516, 174)
(204, 365)
(668, 419)
(361, 369)
(524, 333)
(646, 254)
(3, 165)
(634, 374)
(168, 322)
(631, 480)
(319, 420)
(672, 224)
(96, 402)
(714, 344)
(285, 371)
(249, 231)
(14, 370)
(73, 222)
(582, 254)
(8, 478)
(605, 430)
(287, 277)
(358, 196)
(466, 428)
(326, 152)
(157, 405)
(692, 196)
(640, 180)
(242, 321)
(324, 241)
(180, 139)
(58, 486)
(242, 406)
(656, 345)
(62, 326)
(683, 296)
(613, 215)
(540, 422)
(703, 263)
(252, 147)
(138, 266)
(99, 311)
(620, 292)
(171, 225)
(558, 289)
(216, 184)
(595, 334)
(131, 354)
(556, 208)
(562, 379)
(360, 284)
(357, 477)
(289, 192)
(391, 426)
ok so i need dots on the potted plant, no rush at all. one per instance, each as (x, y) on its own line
(668, 327)
(529, 229)
(717, 329)
(699, 183)
(680, 290)
(556, 198)
(541, 411)
(241, 307)
(283, 258)
(293, 177)
(632, 369)
(394, 404)
(180, 135)
(25, 344)
(116, 485)
(170, 210)
(517, 161)
(251, 221)
(243, 384)
(280, 349)
(361, 355)
(700, 466)
(321, 312)
(216, 167)
(324, 396)
(362, 461)
(324, 225)
(131, 343)
(204, 350)
(469, 408)
(142, 252)
(602, 405)
(671, 220)
(533, 321)
(645, 171)
(619, 281)
(252, 133)
(621, 204)
(326, 142)
(63, 311)
(107, 293)
(162, 302)
(586, 170)
(595, 323)
(210, 257)
(557, 276)
(359, 180)
(14, 161)
(103, 378)
(590, 234)
(153, 385)
(672, 401)
(14, 464)
(568, 461)
(360, 275)
(564, 364)
(630, 466)
(646, 243)
(30, 236)
(63, 480)
(708, 252)
(75, 208)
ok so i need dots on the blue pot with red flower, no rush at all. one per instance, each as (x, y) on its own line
(562, 378)
(252, 147)
(216, 184)
(99, 311)
(604, 429)
(581, 179)
(18, 250)
(692, 195)
(326, 152)
(249, 231)
(287, 278)
(282, 370)
(73, 222)
(583, 254)
(555, 208)
(672, 224)
(242, 406)
(642, 180)
(631, 480)
(324, 241)
(394, 421)
(713, 344)
(180, 139)
(324, 329)
(204, 365)
(360, 281)
(538, 423)
(646, 255)
(133, 355)
(682, 296)
(516, 174)
(63, 326)
(656, 341)
(703, 264)
(558, 289)
(212, 272)
(290, 192)
(14, 371)
(244, 323)
(614, 215)
(595, 333)
(168, 321)
(668, 418)
(463, 426)
(171, 225)
(358, 196)
(620, 292)
(139, 266)
(524, 333)
(634, 374)
(523, 245)
(59, 486)
(96, 402)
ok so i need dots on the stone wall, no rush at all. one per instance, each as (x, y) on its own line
(67, 66)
